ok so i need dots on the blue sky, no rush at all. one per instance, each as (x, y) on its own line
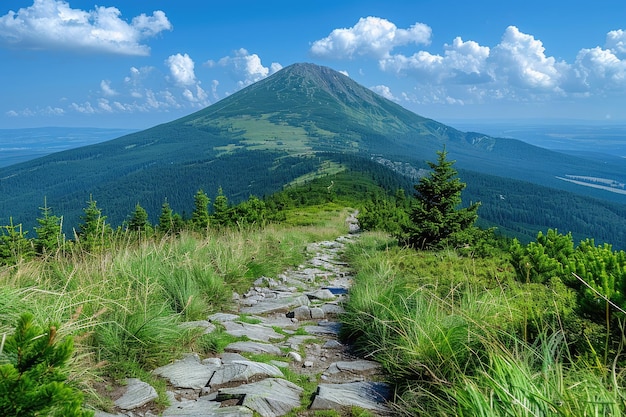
(135, 64)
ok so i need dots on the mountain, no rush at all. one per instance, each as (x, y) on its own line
(304, 121)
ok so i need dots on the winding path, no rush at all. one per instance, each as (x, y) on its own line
(290, 319)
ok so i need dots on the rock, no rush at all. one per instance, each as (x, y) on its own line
(99, 413)
(284, 303)
(253, 347)
(367, 395)
(294, 342)
(331, 328)
(332, 344)
(330, 308)
(228, 357)
(137, 393)
(300, 313)
(355, 367)
(204, 324)
(223, 317)
(280, 364)
(187, 373)
(295, 356)
(308, 364)
(317, 313)
(270, 398)
(203, 407)
(252, 331)
(242, 371)
(321, 294)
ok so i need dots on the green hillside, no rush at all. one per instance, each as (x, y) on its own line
(301, 123)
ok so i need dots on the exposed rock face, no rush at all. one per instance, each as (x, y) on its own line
(234, 384)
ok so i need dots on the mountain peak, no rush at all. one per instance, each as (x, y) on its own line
(313, 95)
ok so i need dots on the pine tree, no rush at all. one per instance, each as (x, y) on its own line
(139, 220)
(435, 220)
(200, 218)
(166, 219)
(93, 232)
(221, 210)
(32, 377)
(50, 231)
(14, 246)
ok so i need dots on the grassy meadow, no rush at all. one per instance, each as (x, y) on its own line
(459, 336)
(124, 305)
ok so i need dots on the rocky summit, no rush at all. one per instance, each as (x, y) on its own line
(290, 319)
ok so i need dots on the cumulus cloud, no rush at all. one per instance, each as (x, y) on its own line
(107, 90)
(598, 68)
(521, 60)
(461, 63)
(384, 91)
(182, 69)
(372, 37)
(54, 25)
(246, 68)
(616, 41)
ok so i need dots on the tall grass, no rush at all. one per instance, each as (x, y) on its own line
(124, 305)
(452, 339)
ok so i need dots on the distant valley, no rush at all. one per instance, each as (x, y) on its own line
(20, 145)
(573, 137)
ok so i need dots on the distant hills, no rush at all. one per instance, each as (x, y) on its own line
(307, 121)
(19, 145)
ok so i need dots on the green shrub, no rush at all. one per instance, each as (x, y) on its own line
(32, 377)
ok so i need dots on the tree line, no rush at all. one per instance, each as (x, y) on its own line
(95, 232)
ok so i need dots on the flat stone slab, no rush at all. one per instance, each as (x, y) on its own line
(187, 373)
(223, 317)
(331, 328)
(276, 304)
(367, 395)
(321, 294)
(242, 371)
(253, 347)
(203, 407)
(355, 367)
(271, 397)
(137, 393)
(252, 331)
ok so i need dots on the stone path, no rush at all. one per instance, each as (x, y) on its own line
(290, 319)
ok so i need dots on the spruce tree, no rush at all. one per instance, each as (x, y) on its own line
(139, 220)
(166, 219)
(435, 220)
(49, 232)
(200, 218)
(33, 376)
(14, 246)
(93, 232)
(221, 210)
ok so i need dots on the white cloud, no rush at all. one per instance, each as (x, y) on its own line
(462, 63)
(182, 69)
(84, 108)
(371, 37)
(600, 69)
(105, 86)
(54, 25)
(384, 91)
(246, 68)
(616, 41)
(521, 60)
